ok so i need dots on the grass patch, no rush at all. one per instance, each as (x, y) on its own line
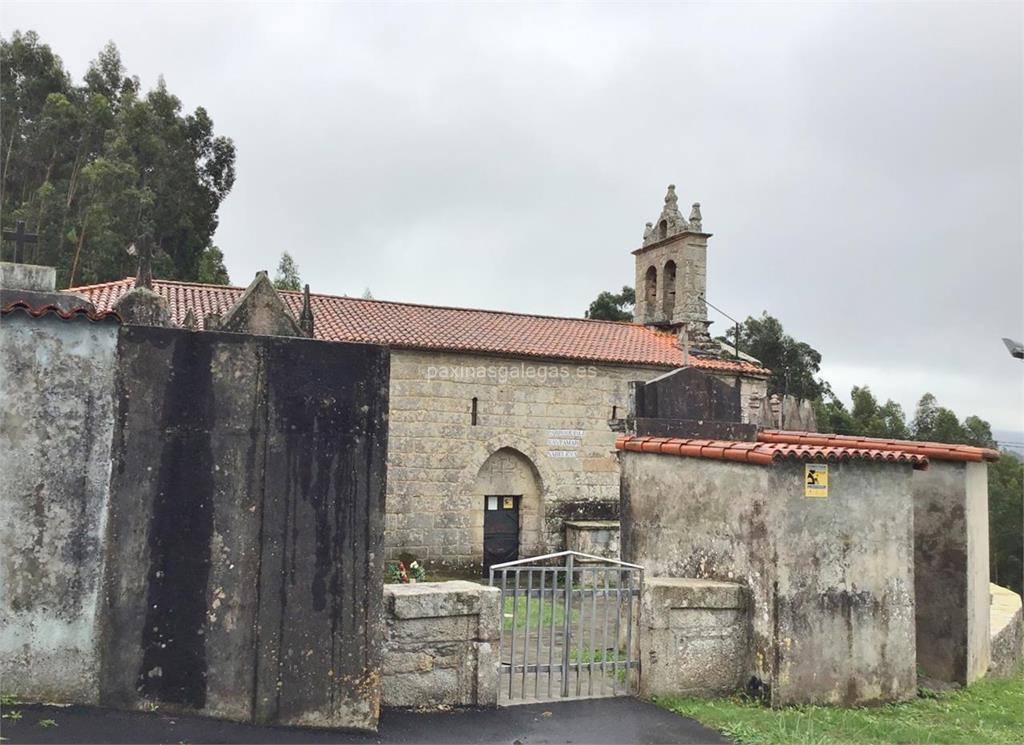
(518, 607)
(989, 712)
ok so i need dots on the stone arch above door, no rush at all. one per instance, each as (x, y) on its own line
(509, 471)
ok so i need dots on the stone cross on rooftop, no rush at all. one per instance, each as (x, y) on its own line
(144, 248)
(20, 238)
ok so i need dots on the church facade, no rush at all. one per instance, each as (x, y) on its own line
(502, 426)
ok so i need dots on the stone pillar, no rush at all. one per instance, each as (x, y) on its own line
(441, 644)
(693, 637)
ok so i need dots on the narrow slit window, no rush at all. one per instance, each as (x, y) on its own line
(473, 415)
(615, 412)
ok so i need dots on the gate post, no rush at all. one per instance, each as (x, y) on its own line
(567, 625)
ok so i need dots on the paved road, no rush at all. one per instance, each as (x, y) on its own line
(620, 720)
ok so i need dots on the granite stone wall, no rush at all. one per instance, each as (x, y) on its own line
(441, 644)
(560, 418)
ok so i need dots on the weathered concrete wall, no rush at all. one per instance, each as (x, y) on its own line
(245, 568)
(30, 277)
(951, 570)
(557, 415)
(441, 644)
(1007, 640)
(830, 581)
(594, 537)
(56, 425)
(694, 637)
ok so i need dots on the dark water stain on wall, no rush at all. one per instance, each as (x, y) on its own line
(180, 529)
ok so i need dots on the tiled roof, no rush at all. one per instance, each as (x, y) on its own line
(21, 306)
(763, 453)
(410, 326)
(935, 450)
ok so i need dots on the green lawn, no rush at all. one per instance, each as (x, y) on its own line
(521, 620)
(990, 711)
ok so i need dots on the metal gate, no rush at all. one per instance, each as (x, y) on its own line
(567, 627)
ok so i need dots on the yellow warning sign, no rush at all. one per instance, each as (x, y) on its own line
(509, 503)
(816, 480)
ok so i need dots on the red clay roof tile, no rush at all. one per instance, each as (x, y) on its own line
(410, 326)
(42, 310)
(763, 453)
(935, 450)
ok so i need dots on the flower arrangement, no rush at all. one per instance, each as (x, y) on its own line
(400, 573)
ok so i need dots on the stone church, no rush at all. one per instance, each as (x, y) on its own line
(502, 426)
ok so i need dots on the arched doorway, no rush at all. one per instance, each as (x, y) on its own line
(507, 492)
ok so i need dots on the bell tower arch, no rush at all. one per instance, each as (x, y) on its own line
(671, 272)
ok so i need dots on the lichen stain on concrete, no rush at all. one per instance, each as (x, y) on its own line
(180, 532)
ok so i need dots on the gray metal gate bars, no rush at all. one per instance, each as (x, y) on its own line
(568, 627)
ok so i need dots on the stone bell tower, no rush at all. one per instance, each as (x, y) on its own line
(671, 273)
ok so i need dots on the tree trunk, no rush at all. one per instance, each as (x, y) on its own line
(7, 159)
(78, 252)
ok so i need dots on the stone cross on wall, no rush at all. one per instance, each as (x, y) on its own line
(20, 238)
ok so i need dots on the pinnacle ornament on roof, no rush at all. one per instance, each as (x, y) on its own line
(671, 221)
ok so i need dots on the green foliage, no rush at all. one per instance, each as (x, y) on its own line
(47, 723)
(89, 167)
(1006, 516)
(873, 420)
(794, 364)
(989, 712)
(211, 268)
(287, 277)
(610, 306)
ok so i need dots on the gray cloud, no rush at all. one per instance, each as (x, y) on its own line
(860, 165)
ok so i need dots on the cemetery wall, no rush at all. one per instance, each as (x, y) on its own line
(56, 425)
(245, 568)
(952, 570)
(830, 580)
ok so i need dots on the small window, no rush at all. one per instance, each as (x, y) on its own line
(663, 230)
(615, 412)
(473, 415)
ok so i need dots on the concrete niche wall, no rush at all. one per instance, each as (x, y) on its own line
(951, 570)
(245, 561)
(56, 425)
(830, 581)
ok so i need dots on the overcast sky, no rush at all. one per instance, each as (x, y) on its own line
(859, 165)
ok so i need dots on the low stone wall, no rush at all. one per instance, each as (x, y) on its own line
(441, 644)
(1007, 645)
(694, 637)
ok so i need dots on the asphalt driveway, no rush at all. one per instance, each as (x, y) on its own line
(610, 720)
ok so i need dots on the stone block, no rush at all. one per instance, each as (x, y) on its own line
(434, 599)
(435, 688)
